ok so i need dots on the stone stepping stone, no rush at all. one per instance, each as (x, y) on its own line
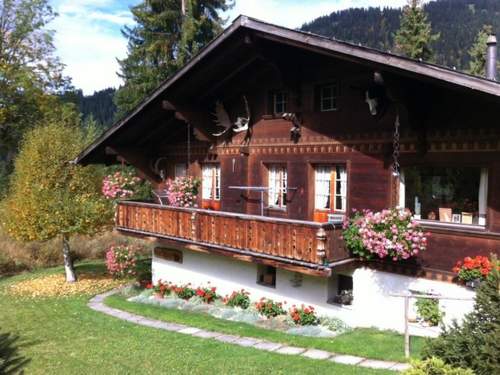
(290, 350)
(375, 364)
(189, 330)
(267, 345)
(400, 367)
(227, 338)
(206, 334)
(246, 341)
(317, 354)
(347, 359)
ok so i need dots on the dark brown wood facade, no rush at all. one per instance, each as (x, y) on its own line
(444, 122)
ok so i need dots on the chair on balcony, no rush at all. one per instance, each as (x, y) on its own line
(162, 196)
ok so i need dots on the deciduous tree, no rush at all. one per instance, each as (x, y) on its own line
(49, 196)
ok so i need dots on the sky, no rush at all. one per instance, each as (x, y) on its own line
(88, 39)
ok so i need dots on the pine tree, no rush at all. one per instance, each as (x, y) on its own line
(476, 343)
(162, 40)
(414, 37)
(477, 53)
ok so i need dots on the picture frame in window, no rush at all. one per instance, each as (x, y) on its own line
(456, 218)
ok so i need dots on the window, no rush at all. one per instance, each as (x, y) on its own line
(328, 97)
(180, 170)
(277, 186)
(280, 102)
(331, 188)
(266, 275)
(340, 289)
(210, 189)
(168, 254)
(445, 194)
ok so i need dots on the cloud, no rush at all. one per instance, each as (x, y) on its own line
(88, 40)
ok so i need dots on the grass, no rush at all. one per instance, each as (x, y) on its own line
(364, 342)
(64, 336)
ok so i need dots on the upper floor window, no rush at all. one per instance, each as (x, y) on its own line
(280, 102)
(277, 186)
(180, 170)
(328, 97)
(210, 184)
(445, 194)
(330, 188)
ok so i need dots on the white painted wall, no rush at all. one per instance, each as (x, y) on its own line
(372, 306)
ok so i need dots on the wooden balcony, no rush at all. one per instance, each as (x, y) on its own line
(303, 246)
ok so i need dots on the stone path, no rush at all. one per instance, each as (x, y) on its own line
(97, 304)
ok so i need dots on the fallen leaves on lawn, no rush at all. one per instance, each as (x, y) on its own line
(56, 286)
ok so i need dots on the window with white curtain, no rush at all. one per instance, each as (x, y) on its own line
(330, 188)
(277, 186)
(210, 184)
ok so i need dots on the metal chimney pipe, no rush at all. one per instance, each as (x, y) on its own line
(491, 58)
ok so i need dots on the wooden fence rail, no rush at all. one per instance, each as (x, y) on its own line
(305, 241)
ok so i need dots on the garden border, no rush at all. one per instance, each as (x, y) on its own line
(97, 303)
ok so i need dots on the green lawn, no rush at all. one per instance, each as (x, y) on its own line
(63, 336)
(366, 342)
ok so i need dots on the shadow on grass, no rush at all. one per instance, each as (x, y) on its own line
(11, 361)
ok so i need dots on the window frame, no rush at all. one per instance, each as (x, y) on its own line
(482, 199)
(282, 179)
(214, 176)
(334, 86)
(176, 166)
(333, 193)
(283, 102)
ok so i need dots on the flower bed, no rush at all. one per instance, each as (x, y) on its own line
(237, 307)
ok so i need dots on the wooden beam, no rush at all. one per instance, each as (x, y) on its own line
(196, 118)
(137, 159)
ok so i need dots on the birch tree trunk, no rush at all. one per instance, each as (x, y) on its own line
(68, 262)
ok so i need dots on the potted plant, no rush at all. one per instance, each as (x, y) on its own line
(472, 271)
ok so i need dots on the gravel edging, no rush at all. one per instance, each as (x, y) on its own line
(97, 304)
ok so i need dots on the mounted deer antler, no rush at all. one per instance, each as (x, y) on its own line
(222, 119)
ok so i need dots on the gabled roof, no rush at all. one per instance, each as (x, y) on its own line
(319, 44)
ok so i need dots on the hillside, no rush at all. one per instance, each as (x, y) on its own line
(458, 21)
(99, 105)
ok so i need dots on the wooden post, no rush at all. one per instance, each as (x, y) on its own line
(407, 330)
(321, 245)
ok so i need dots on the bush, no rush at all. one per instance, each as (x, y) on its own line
(304, 316)
(435, 366)
(208, 295)
(121, 261)
(428, 310)
(476, 343)
(183, 291)
(238, 299)
(269, 308)
(389, 233)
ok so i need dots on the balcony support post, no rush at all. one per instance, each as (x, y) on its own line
(321, 245)
(193, 226)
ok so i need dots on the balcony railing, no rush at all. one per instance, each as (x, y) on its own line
(301, 242)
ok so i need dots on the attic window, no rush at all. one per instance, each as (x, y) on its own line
(328, 97)
(280, 102)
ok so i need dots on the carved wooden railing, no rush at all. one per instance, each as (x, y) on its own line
(304, 241)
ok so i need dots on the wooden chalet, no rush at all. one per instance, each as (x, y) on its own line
(318, 127)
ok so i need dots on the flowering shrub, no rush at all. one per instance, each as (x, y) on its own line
(304, 316)
(183, 291)
(162, 289)
(470, 269)
(207, 294)
(121, 260)
(182, 191)
(387, 233)
(269, 308)
(238, 298)
(120, 185)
